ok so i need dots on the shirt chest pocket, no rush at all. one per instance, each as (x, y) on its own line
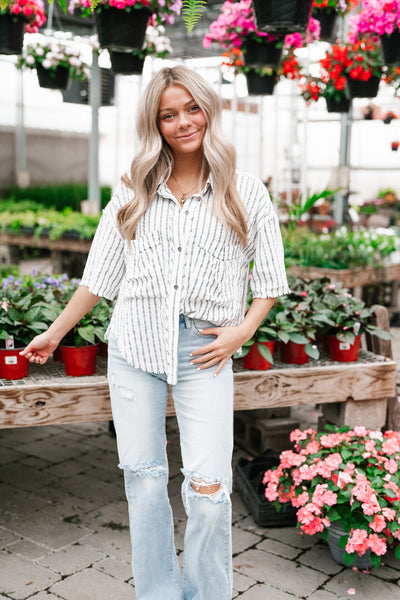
(220, 274)
(145, 273)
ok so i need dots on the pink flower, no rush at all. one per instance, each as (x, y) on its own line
(389, 513)
(357, 542)
(378, 524)
(351, 592)
(377, 544)
(391, 465)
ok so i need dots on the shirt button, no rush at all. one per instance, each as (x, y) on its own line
(186, 212)
(179, 249)
(175, 287)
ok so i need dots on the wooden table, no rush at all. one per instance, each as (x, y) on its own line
(48, 396)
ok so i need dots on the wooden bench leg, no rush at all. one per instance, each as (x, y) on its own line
(370, 413)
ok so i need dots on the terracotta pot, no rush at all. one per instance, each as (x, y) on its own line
(390, 45)
(261, 54)
(343, 351)
(79, 360)
(57, 79)
(12, 365)
(12, 31)
(258, 85)
(294, 354)
(121, 30)
(363, 89)
(255, 360)
(282, 16)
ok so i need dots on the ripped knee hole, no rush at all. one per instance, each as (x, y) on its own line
(202, 487)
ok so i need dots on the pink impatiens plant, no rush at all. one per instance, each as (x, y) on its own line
(349, 476)
(32, 11)
(377, 17)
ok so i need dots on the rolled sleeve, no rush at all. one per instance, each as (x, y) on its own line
(268, 276)
(105, 265)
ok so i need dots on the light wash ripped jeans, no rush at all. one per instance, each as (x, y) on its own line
(204, 410)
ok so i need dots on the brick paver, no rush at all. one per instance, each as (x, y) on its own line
(64, 528)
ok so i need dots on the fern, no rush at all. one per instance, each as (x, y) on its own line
(192, 11)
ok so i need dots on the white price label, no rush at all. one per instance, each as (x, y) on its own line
(11, 360)
(344, 346)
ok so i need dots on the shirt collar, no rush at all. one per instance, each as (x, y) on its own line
(165, 192)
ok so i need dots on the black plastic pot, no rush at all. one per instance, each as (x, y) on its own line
(338, 106)
(126, 63)
(262, 54)
(12, 31)
(54, 79)
(328, 22)
(121, 30)
(248, 480)
(258, 85)
(282, 16)
(363, 89)
(390, 45)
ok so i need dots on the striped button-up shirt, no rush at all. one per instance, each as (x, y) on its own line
(183, 260)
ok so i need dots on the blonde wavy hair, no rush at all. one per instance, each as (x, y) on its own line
(155, 160)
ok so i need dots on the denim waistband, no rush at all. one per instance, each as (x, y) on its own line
(199, 323)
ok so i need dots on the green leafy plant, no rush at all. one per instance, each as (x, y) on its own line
(298, 209)
(192, 11)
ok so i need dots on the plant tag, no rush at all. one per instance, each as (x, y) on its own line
(344, 346)
(11, 360)
(10, 343)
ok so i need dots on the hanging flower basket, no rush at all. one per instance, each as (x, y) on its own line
(79, 360)
(54, 79)
(338, 106)
(357, 88)
(262, 54)
(328, 22)
(11, 34)
(12, 365)
(282, 16)
(390, 45)
(126, 63)
(260, 85)
(344, 351)
(121, 30)
(255, 360)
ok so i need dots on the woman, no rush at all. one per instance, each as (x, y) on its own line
(175, 243)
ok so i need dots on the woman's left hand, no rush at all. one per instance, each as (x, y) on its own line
(228, 341)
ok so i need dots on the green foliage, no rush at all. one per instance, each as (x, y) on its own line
(192, 11)
(341, 249)
(50, 222)
(58, 196)
(298, 209)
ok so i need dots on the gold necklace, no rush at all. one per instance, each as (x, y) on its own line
(184, 195)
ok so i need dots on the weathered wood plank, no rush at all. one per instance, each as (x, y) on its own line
(87, 399)
(351, 278)
(30, 241)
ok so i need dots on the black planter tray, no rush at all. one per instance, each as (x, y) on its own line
(249, 474)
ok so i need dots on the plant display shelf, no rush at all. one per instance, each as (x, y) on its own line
(358, 278)
(362, 389)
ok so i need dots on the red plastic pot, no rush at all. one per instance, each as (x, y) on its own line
(343, 351)
(79, 360)
(12, 365)
(293, 353)
(255, 360)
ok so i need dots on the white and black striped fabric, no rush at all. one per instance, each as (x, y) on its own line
(182, 260)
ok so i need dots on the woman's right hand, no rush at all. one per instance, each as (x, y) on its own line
(40, 348)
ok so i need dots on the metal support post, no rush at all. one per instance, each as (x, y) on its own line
(94, 99)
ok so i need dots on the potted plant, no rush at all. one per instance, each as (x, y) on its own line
(282, 17)
(131, 63)
(326, 11)
(351, 318)
(343, 479)
(16, 17)
(333, 79)
(379, 18)
(21, 318)
(55, 62)
(122, 25)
